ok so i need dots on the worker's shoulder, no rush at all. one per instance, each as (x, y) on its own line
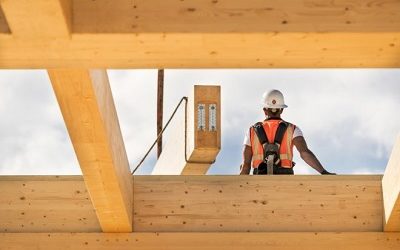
(265, 121)
(289, 123)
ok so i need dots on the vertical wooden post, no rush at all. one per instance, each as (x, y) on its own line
(202, 138)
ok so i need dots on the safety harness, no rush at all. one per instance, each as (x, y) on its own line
(271, 149)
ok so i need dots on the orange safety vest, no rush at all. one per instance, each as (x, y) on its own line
(286, 147)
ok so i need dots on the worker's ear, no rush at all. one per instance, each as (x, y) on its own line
(265, 111)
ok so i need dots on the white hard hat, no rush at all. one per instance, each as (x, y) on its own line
(273, 99)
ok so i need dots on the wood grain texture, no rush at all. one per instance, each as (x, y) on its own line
(201, 241)
(43, 19)
(201, 203)
(202, 145)
(201, 34)
(205, 50)
(46, 204)
(257, 203)
(126, 16)
(89, 113)
(391, 190)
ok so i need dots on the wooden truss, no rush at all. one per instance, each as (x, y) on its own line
(71, 38)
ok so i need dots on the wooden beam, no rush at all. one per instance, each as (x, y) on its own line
(200, 204)
(391, 190)
(88, 109)
(46, 204)
(201, 34)
(206, 50)
(42, 19)
(203, 140)
(258, 203)
(235, 16)
(200, 241)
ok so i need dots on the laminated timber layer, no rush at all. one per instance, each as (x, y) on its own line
(201, 241)
(199, 34)
(201, 204)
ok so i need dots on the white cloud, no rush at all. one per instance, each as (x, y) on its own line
(33, 137)
(349, 117)
(366, 171)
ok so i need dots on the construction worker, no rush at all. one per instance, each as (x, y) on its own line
(268, 145)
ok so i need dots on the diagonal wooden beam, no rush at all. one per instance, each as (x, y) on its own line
(391, 190)
(88, 109)
(38, 18)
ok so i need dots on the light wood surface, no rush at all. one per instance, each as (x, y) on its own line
(200, 34)
(201, 203)
(391, 190)
(46, 204)
(202, 146)
(126, 16)
(198, 50)
(201, 241)
(88, 109)
(43, 19)
(258, 203)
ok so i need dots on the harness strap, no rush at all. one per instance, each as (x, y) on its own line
(280, 132)
(260, 132)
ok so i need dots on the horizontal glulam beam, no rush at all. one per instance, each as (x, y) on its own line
(200, 241)
(200, 204)
(46, 204)
(174, 16)
(223, 16)
(258, 203)
(205, 50)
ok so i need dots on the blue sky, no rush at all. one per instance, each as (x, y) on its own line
(350, 118)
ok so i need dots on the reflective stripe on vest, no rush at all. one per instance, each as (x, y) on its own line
(286, 148)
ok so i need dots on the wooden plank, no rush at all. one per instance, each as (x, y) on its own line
(46, 204)
(201, 204)
(203, 143)
(205, 50)
(257, 203)
(88, 109)
(202, 34)
(391, 190)
(125, 16)
(200, 241)
(41, 19)
(214, 34)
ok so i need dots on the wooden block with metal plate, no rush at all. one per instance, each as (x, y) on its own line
(194, 139)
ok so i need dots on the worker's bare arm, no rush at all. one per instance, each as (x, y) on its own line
(246, 166)
(307, 155)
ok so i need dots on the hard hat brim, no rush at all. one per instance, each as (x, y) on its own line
(276, 106)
